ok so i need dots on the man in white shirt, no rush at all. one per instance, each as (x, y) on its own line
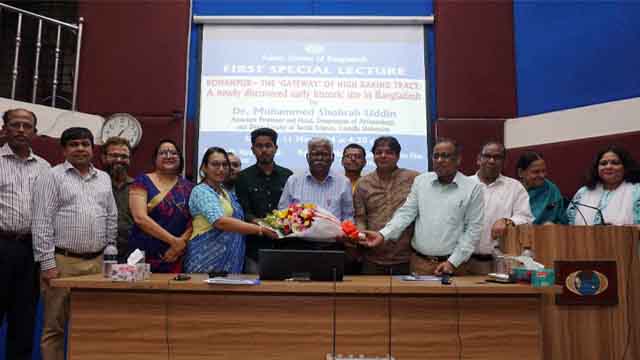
(506, 203)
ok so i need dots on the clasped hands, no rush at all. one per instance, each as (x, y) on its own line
(177, 248)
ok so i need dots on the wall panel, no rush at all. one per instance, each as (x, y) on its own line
(475, 66)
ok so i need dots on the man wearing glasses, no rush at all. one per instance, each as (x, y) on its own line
(19, 276)
(116, 158)
(320, 186)
(354, 158)
(447, 208)
(506, 203)
(235, 166)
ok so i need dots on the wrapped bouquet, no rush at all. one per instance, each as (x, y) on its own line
(311, 222)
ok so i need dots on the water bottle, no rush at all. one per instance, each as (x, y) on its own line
(499, 262)
(528, 252)
(109, 258)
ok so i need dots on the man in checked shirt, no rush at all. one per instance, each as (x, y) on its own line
(74, 217)
(19, 167)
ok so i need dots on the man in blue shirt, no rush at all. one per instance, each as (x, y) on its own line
(320, 186)
(448, 211)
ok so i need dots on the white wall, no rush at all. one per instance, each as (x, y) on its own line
(52, 122)
(610, 118)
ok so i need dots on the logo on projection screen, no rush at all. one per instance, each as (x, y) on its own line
(314, 49)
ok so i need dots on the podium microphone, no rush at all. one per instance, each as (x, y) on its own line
(602, 222)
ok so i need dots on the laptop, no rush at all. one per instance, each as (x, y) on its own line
(314, 265)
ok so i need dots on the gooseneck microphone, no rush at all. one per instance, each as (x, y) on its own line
(576, 204)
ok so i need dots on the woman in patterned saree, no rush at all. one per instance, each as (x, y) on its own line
(159, 206)
(217, 242)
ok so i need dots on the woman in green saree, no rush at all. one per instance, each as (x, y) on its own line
(547, 203)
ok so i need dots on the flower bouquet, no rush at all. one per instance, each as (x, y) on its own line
(308, 221)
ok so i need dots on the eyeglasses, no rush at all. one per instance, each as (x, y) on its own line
(118, 156)
(17, 125)
(235, 164)
(168, 153)
(609, 162)
(496, 157)
(443, 156)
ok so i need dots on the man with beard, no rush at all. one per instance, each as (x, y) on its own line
(320, 186)
(19, 275)
(74, 218)
(235, 166)
(354, 159)
(258, 188)
(447, 208)
(506, 203)
(116, 158)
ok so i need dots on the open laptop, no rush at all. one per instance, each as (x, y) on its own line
(315, 265)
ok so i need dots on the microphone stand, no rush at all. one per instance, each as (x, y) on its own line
(576, 204)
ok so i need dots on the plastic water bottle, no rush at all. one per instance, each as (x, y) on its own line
(499, 262)
(109, 258)
(528, 252)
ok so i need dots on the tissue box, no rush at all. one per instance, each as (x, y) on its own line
(521, 274)
(123, 272)
(131, 273)
(543, 278)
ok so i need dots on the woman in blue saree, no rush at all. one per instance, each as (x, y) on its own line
(159, 207)
(217, 242)
(547, 203)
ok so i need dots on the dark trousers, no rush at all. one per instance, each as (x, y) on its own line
(19, 292)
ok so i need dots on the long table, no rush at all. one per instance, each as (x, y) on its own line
(372, 315)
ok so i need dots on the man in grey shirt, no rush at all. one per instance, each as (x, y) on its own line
(74, 217)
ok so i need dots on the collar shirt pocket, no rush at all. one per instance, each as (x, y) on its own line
(454, 210)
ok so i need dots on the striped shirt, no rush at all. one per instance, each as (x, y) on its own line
(333, 194)
(17, 177)
(72, 212)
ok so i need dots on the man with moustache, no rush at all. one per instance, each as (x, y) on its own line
(354, 159)
(19, 290)
(235, 166)
(320, 186)
(116, 158)
(74, 217)
(447, 208)
(377, 196)
(506, 203)
(258, 189)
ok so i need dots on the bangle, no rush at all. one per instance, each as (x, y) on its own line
(260, 230)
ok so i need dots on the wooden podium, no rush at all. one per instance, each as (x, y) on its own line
(583, 332)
